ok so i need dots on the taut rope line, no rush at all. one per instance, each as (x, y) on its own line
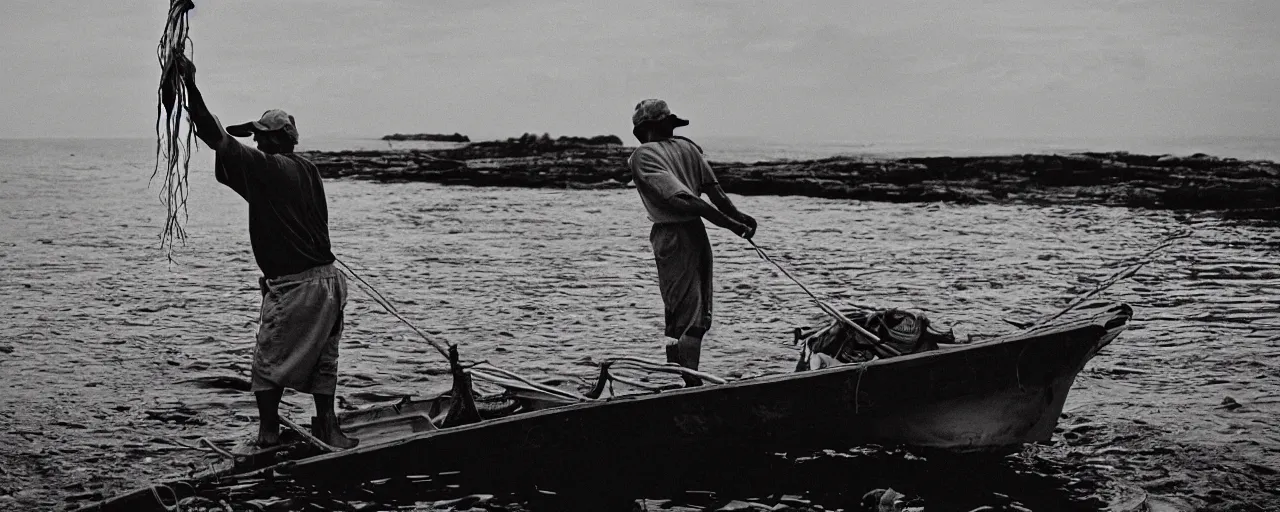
(382, 301)
(826, 308)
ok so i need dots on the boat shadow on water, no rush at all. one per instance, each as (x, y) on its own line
(824, 480)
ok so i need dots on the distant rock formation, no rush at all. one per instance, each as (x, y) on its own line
(434, 137)
(545, 139)
(1238, 188)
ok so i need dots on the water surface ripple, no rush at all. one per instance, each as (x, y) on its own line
(105, 347)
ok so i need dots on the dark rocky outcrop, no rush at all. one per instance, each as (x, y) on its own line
(435, 137)
(486, 164)
(598, 140)
(546, 140)
(1197, 182)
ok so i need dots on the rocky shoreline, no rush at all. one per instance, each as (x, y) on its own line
(433, 137)
(1239, 188)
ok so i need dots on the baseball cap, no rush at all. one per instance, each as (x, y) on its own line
(272, 120)
(653, 110)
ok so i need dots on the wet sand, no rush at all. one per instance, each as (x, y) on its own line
(107, 350)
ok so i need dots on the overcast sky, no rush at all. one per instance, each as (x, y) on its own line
(831, 70)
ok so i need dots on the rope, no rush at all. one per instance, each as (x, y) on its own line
(857, 388)
(386, 304)
(666, 368)
(478, 371)
(160, 501)
(629, 382)
(216, 449)
(823, 305)
(212, 448)
(515, 381)
(1114, 278)
(307, 435)
(508, 384)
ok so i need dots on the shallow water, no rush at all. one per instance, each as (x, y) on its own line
(105, 346)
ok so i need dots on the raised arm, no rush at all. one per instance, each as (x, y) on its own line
(237, 166)
(207, 126)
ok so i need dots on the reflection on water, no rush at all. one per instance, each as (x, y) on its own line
(106, 347)
(828, 480)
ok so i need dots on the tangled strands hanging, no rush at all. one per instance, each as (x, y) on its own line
(173, 144)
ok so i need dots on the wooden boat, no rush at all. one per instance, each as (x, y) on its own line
(990, 397)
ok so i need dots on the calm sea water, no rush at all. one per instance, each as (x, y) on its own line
(106, 347)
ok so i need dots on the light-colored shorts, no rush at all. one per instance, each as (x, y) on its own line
(683, 254)
(299, 332)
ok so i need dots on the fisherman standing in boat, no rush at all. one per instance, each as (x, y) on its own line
(303, 294)
(671, 175)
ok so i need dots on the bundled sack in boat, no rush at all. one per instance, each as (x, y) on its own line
(901, 332)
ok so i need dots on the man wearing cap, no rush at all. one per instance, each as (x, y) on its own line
(303, 294)
(671, 175)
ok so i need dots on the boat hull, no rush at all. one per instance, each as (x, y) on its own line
(983, 398)
(991, 397)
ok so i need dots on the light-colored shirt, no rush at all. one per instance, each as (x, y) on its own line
(665, 168)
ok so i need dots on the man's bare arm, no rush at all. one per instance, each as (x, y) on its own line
(722, 202)
(689, 203)
(206, 124)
